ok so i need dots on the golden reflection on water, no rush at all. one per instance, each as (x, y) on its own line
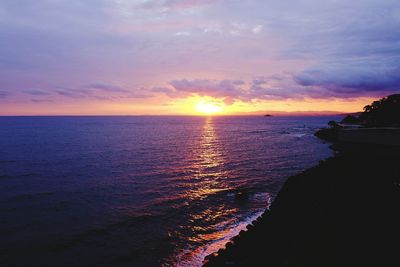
(209, 177)
(208, 164)
(210, 226)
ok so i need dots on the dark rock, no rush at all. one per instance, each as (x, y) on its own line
(328, 134)
(344, 212)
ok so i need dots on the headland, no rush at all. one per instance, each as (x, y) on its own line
(342, 212)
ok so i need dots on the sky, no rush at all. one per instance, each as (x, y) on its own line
(147, 57)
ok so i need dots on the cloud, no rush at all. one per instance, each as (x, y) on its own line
(260, 80)
(228, 90)
(188, 3)
(353, 79)
(176, 4)
(182, 34)
(257, 29)
(36, 92)
(41, 100)
(312, 85)
(103, 91)
(169, 91)
(72, 93)
(99, 90)
(4, 94)
(243, 50)
(106, 87)
(355, 50)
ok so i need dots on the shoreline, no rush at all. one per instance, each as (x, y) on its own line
(341, 212)
(195, 258)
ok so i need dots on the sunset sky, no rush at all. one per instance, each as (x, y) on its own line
(63, 57)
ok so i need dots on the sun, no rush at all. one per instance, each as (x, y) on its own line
(208, 108)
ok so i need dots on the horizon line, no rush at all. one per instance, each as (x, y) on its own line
(180, 115)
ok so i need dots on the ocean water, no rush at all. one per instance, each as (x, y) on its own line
(140, 191)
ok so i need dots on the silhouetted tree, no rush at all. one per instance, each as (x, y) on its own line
(383, 112)
(350, 119)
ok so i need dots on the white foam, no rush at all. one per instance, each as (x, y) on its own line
(190, 258)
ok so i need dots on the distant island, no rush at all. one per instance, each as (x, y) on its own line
(268, 115)
(342, 212)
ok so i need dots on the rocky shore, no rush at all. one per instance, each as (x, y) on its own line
(343, 212)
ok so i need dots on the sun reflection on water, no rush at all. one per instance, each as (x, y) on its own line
(208, 164)
(210, 177)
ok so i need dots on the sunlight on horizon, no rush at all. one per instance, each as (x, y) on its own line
(208, 108)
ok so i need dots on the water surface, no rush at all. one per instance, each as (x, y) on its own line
(140, 191)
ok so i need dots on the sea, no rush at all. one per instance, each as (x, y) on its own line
(141, 190)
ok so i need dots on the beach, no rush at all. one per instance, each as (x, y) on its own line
(343, 212)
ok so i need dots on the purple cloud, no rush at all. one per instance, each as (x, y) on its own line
(36, 92)
(103, 91)
(4, 94)
(233, 90)
(279, 87)
(106, 87)
(41, 100)
(352, 79)
(226, 89)
(71, 93)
